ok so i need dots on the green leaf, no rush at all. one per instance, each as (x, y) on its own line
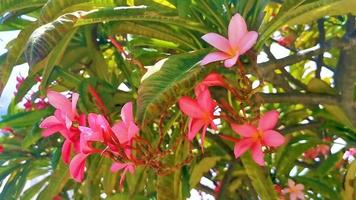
(319, 86)
(32, 136)
(201, 168)
(15, 48)
(33, 190)
(178, 75)
(350, 182)
(307, 13)
(329, 164)
(260, 181)
(24, 119)
(16, 5)
(136, 13)
(318, 186)
(58, 180)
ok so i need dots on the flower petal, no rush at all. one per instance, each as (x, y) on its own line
(291, 183)
(272, 138)
(116, 166)
(52, 130)
(190, 107)
(231, 61)
(247, 42)
(257, 154)
(269, 120)
(126, 113)
(242, 146)
(132, 131)
(66, 150)
(206, 102)
(217, 41)
(120, 131)
(194, 127)
(300, 187)
(49, 121)
(293, 196)
(76, 167)
(59, 101)
(213, 57)
(75, 97)
(237, 29)
(245, 130)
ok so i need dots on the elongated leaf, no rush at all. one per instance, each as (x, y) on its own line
(202, 167)
(329, 164)
(307, 13)
(136, 13)
(55, 8)
(261, 183)
(316, 185)
(57, 181)
(15, 5)
(33, 190)
(178, 75)
(24, 119)
(350, 182)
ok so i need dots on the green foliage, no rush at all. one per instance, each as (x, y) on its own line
(68, 46)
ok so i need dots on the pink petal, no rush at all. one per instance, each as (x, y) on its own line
(68, 122)
(120, 131)
(285, 191)
(257, 154)
(66, 150)
(237, 29)
(300, 187)
(82, 120)
(291, 183)
(190, 107)
(213, 57)
(126, 113)
(59, 101)
(242, 146)
(202, 137)
(199, 89)
(52, 130)
(301, 195)
(49, 121)
(231, 61)
(245, 130)
(214, 79)
(76, 167)
(194, 127)
(247, 42)
(206, 102)
(293, 196)
(272, 138)
(269, 120)
(217, 41)
(75, 97)
(132, 131)
(116, 166)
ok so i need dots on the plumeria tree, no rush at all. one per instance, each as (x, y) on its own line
(168, 99)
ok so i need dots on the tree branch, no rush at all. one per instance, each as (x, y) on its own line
(300, 127)
(303, 98)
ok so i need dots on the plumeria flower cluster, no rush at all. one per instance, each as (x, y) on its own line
(295, 191)
(79, 138)
(319, 150)
(201, 109)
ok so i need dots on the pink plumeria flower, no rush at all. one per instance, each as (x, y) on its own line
(255, 137)
(65, 120)
(213, 79)
(77, 166)
(239, 41)
(295, 191)
(321, 149)
(126, 130)
(126, 167)
(349, 153)
(201, 113)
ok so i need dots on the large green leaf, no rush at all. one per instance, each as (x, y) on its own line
(24, 119)
(260, 181)
(320, 187)
(55, 8)
(307, 13)
(136, 13)
(56, 183)
(16, 5)
(202, 167)
(178, 75)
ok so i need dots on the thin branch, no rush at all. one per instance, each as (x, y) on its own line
(300, 127)
(293, 80)
(302, 98)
